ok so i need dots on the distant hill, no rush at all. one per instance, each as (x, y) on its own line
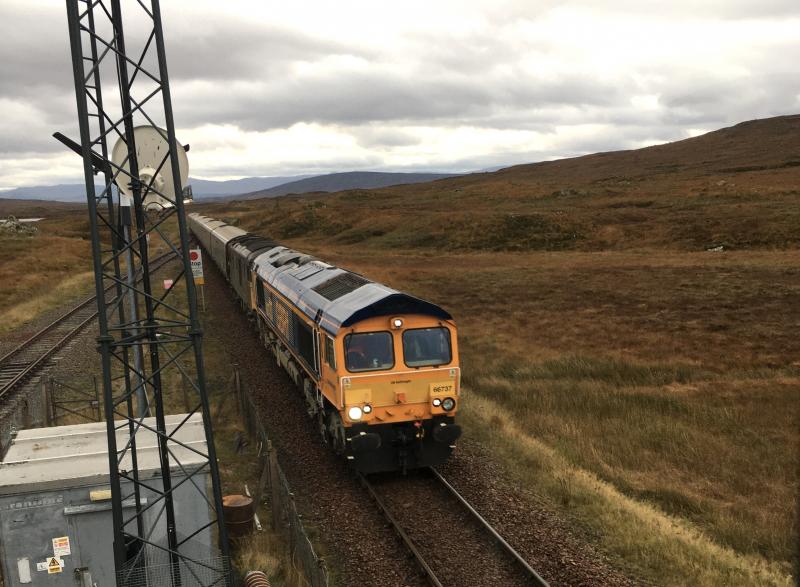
(336, 182)
(35, 208)
(252, 187)
(54, 193)
(201, 188)
(768, 144)
(204, 188)
(733, 188)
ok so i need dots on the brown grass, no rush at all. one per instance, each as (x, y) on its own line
(665, 548)
(662, 382)
(47, 269)
(667, 375)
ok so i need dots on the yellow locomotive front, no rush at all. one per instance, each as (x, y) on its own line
(397, 391)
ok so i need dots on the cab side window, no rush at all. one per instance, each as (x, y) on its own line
(259, 293)
(330, 356)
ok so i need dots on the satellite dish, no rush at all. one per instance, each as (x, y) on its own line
(151, 149)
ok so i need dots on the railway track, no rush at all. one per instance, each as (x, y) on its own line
(29, 358)
(18, 365)
(449, 536)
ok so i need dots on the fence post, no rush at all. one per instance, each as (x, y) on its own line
(96, 399)
(294, 519)
(187, 406)
(46, 403)
(274, 481)
(51, 401)
(237, 385)
(262, 483)
(26, 413)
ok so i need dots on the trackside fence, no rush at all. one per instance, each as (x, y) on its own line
(273, 484)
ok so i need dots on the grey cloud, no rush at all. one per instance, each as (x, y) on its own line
(717, 100)
(35, 50)
(716, 9)
(230, 49)
(360, 98)
(378, 137)
(477, 52)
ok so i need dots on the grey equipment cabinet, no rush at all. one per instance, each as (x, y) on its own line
(55, 505)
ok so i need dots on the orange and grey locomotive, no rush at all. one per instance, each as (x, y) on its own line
(378, 368)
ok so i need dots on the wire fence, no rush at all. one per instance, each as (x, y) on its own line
(273, 484)
(47, 401)
(30, 407)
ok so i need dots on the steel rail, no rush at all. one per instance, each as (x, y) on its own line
(24, 345)
(408, 543)
(535, 577)
(423, 564)
(30, 367)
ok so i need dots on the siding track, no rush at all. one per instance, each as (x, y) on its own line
(29, 358)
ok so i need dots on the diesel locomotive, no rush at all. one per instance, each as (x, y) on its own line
(378, 368)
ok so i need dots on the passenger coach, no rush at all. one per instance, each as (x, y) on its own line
(378, 368)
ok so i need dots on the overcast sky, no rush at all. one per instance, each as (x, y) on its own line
(284, 88)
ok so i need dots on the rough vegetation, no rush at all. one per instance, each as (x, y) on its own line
(628, 326)
(38, 270)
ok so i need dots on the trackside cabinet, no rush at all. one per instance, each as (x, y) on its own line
(55, 504)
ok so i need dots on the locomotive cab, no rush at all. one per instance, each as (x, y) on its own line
(397, 386)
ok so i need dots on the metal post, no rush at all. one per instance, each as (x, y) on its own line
(150, 326)
(143, 404)
(274, 485)
(96, 400)
(116, 244)
(46, 403)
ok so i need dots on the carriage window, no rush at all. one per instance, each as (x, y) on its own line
(425, 347)
(369, 351)
(330, 356)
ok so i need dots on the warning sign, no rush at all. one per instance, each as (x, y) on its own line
(196, 260)
(61, 546)
(54, 565)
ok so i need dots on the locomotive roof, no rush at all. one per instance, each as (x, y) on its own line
(332, 296)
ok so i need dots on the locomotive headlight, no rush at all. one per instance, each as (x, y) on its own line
(367, 408)
(354, 413)
(437, 402)
(448, 404)
(397, 322)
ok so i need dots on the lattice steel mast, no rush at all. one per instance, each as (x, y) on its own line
(167, 331)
